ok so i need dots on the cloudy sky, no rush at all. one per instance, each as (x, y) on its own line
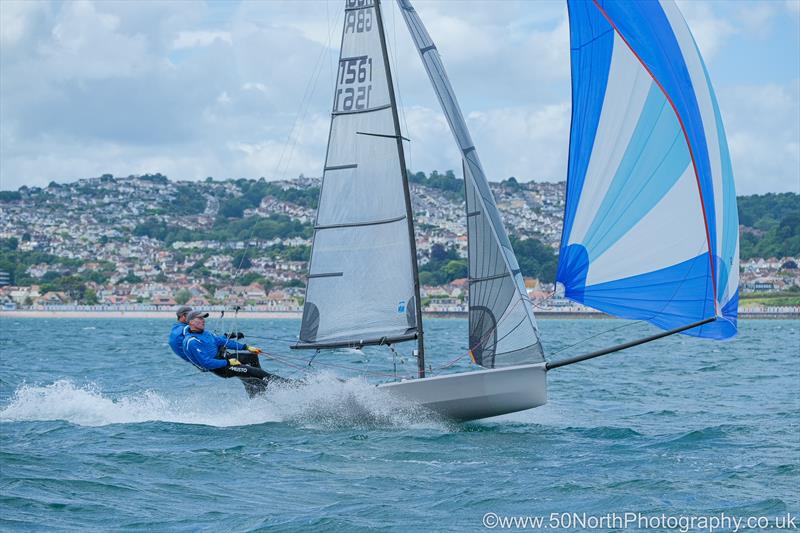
(243, 89)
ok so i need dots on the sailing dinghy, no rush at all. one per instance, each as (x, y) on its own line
(650, 229)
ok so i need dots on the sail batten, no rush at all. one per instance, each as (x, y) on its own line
(502, 328)
(353, 343)
(650, 226)
(364, 223)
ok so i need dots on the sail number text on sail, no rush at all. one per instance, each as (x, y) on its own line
(354, 80)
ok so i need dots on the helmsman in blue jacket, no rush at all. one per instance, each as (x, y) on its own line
(207, 352)
(178, 331)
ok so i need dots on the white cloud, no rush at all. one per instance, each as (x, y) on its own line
(192, 39)
(275, 160)
(763, 128)
(710, 30)
(86, 44)
(492, 51)
(757, 19)
(525, 142)
(432, 145)
(17, 18)
(528, 142)
(256, 86)
(193, 89)
(223, 98)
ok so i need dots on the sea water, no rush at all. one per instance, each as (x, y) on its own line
(103, 428)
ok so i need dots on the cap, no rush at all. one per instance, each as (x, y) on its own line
(182, 310)
(196, 314)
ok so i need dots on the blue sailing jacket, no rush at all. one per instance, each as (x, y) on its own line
(201, 349)
(176, 337)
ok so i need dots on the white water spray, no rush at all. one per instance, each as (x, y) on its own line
(324, 401)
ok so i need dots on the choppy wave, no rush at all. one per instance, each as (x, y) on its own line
(324, 401)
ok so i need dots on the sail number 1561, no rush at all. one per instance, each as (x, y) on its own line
(357, 72)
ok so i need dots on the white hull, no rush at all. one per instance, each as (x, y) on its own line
(479, 394)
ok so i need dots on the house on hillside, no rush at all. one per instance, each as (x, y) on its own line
(458, 288)
(198, 290)
(197, 301)
(278, 300)
(161, 299)
(52, 298)
(20, 294)
(255, 293)
(445, 304)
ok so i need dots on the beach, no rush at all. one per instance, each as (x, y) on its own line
(296, 315)
(139, 314)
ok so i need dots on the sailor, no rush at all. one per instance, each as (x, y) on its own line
(206, 351)
(178, 331)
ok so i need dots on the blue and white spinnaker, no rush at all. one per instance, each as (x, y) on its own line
(650, 226)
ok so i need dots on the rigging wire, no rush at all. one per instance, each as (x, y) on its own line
(269, 338)
(284, 358)
(292, 137)
(332, 61)
(598, 335)
(396, 77)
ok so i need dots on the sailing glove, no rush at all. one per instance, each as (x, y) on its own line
(253, 349)
(233, 362)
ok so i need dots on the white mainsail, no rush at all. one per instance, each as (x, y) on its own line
(361, 283)
(502, 328)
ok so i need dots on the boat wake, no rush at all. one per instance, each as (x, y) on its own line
(322, 402)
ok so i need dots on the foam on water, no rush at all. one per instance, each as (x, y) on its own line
(323, 401)
(86, 405)
(326, 401)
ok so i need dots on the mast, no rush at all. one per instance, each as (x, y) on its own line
(407, 194)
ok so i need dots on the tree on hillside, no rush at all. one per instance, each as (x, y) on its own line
(536, 260)
(151, 227)
(444, 266)
(241, 260)
(511, 185)
(131, 278)
(188, 201)
(9, 245)
(231, 208)
(182, 296)
(10, 196)
(90, 297)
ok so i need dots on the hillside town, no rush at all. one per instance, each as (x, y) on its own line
(151, 243)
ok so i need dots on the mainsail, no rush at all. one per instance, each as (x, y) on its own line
(361, 282)
(502, 328)
(650, 226)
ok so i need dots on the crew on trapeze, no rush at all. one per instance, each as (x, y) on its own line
(208, 352)
(178, 333)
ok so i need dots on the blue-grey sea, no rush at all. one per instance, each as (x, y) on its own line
(103, 428)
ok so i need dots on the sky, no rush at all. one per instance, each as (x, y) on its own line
(244, 89)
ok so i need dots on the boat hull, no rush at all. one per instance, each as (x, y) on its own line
(478, 394)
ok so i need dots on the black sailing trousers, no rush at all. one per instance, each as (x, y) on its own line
(254, 378)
